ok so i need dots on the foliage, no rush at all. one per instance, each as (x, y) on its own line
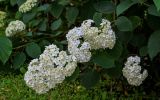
(136, 24)
(13, 87)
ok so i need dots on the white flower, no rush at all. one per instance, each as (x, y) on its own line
(14, 28)
(99, 37)
(76, 46)
(132, 71)
(50, 69)
(28, 5)
(2, 17)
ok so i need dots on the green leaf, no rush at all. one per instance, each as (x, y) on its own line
(157, 3)
(125, 37)
(56, 24)
(33, 50)
(20, 2)
(153, 22)
(138, 40)
(13, 2)
(43, 25)
(97, 18)
(34, 23)
(124, 24)
(90, 79)
(71, 15)
(19, 60)
(28, 16)
(143, 51)
(152, 10)
(44, 7)
(154, 44)
(116, 71)
(74, 76)
(116, 52)
(136, 21)
(123, 6)
(56, 10)
(5, 49)
(103, 59)
(63, 2)
(104, 7)
(18, 15)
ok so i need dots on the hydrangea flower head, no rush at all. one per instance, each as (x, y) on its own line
(50, 69)
(99, 37)
(14, 28)
(28, 5)
(132, 71)
(2, 17)
(76, 46)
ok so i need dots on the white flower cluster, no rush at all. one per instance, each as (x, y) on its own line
(99, 37)
(28, 5)
(132, 71)
(2, 17)
(80, 50)
(15, 27)
(50, 69)
(84, 38)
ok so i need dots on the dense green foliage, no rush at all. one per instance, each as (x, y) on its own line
(13, 87)
(135, 22)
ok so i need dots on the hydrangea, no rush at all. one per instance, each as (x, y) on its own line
(50, 69)
(2, 17)
(77, 47)
(99, 37)
(14, 28)
(132, 71)
(28, 5)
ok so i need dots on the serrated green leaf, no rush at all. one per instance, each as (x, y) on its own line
(5, 49)
(104, 6)
(124, 24)
(157, 3)
(116, 52)
(123, 6)
(136, 21)
(19, 60)
(56, 10)
(143, 51)
(116, 71)
(56, 24)
(13, 2)
(154, 44)
(152, 10)
(45, 7)
(103, 59)
(97, 17)
(33, 50)
(63, 2)
(28, 16)
(71, 15)
(20, 2)
(43, 25)
(34, 23)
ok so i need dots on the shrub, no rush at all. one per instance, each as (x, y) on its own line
(134, 22)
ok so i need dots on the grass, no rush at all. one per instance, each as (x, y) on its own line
(12, 87)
